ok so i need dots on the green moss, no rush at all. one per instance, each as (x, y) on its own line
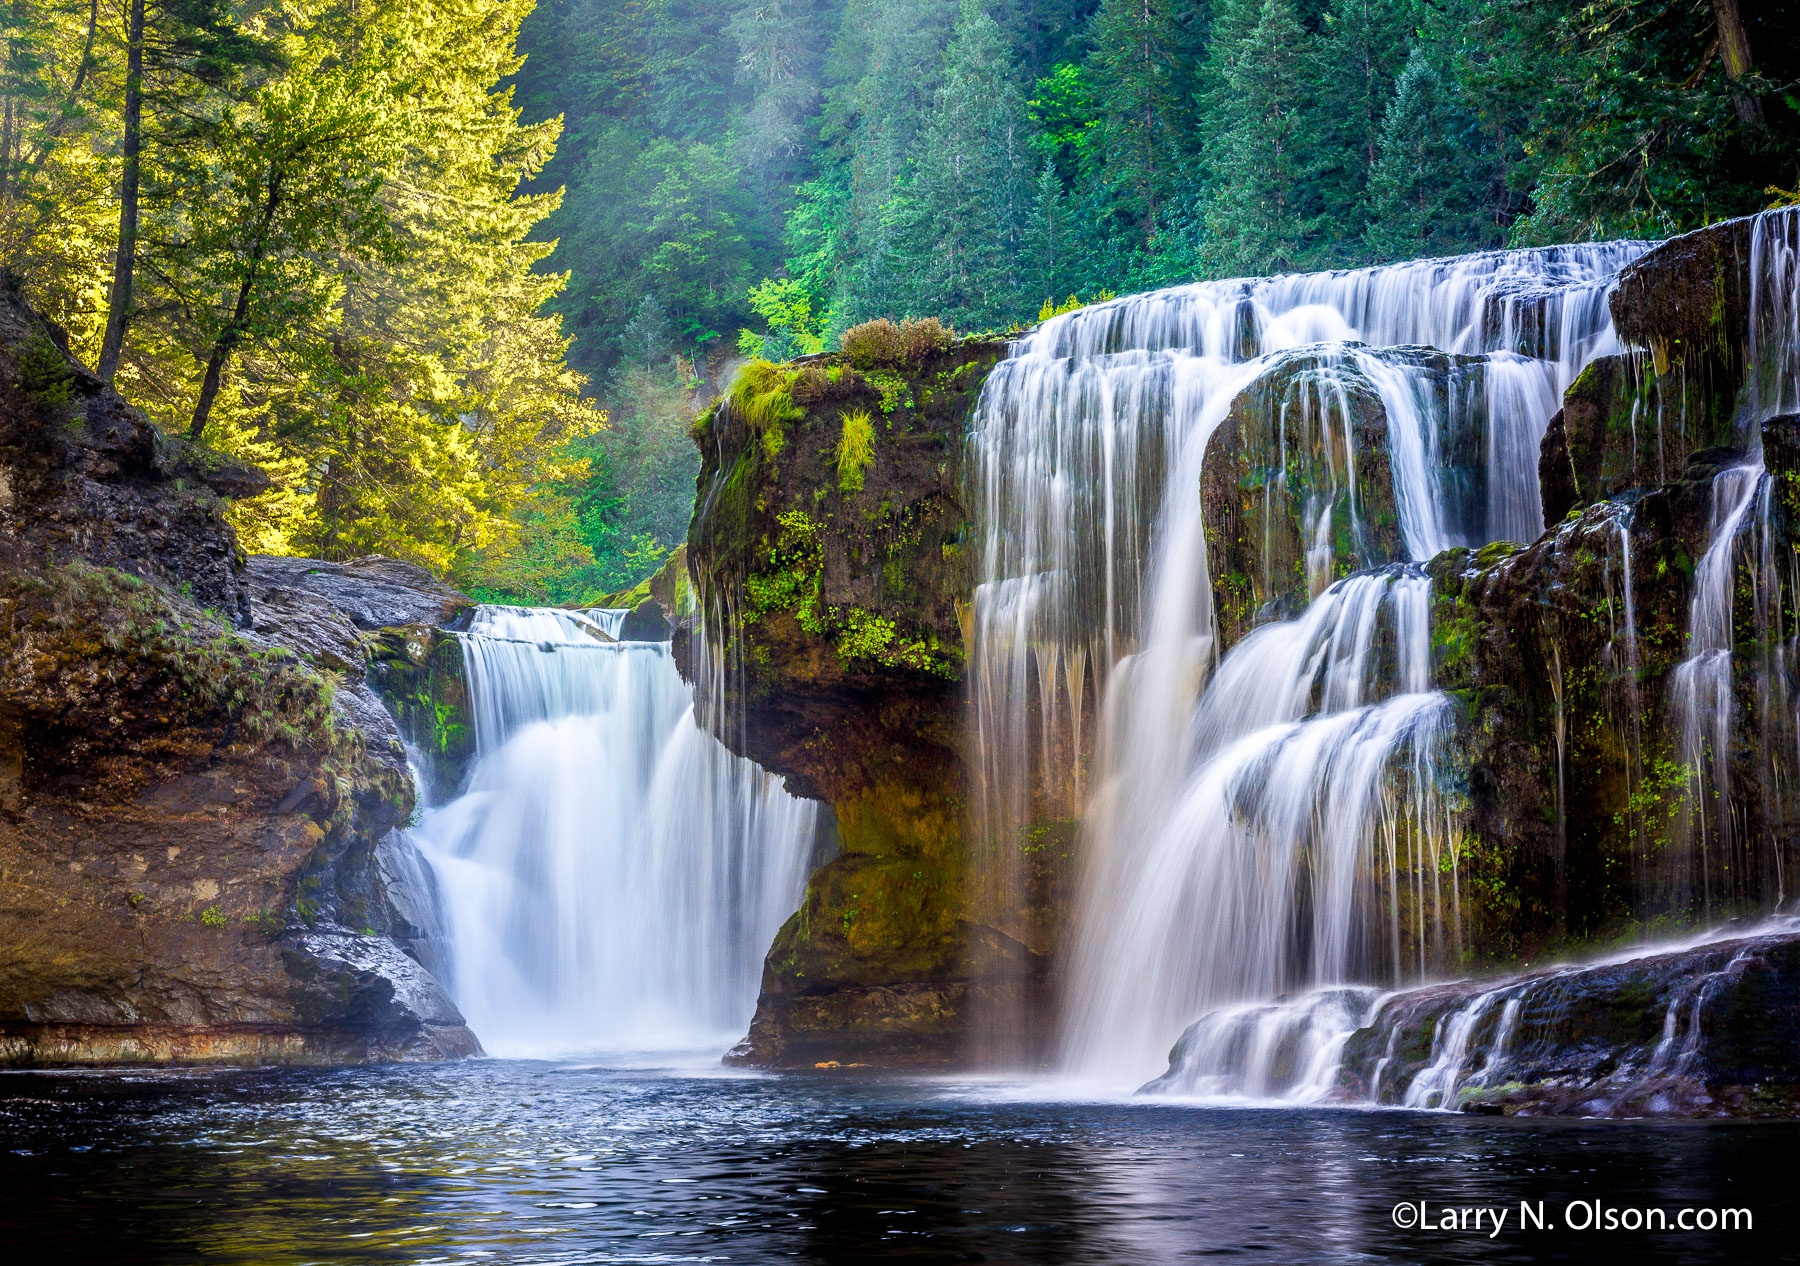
(855, 450)
(760, 395)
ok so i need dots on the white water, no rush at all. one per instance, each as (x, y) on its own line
(1740, 540)
(612, 876)
(1232, 830)
(1290, 1049)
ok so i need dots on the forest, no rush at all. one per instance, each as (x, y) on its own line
(457, 273)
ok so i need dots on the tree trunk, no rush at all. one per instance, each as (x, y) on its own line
(1734, 51)
(228, 339)
(222, 348)
(125, 259)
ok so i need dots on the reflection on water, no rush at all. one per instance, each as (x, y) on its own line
(540, 1163)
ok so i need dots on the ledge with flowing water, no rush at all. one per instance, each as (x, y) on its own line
(1527, 794)
(1708, 1028)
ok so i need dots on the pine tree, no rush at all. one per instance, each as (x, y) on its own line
(1261, 212)
(966, 208)
(1140, 65)
(1419, 191)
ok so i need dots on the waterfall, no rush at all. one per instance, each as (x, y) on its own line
(611, 876)
(1724, 869)
(1623, 1034)
(1278, 827)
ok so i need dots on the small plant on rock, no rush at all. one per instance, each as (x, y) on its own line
(856, 449)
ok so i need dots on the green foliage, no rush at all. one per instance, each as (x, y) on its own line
(335, 274)
(866, 636)
(855, 450)
(44, 374)
(1263, 215)
(213, 917)
(1417, 188)
(787, 308)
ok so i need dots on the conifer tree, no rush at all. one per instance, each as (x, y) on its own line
(1362, 49)
(1418, 191)
(1141, 69)
(969, 198)
(776, 43)
(1261, 213)
(1045, 268)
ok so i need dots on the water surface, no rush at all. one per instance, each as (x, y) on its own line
(521, 1162)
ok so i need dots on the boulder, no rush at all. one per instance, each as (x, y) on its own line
(1296, 490)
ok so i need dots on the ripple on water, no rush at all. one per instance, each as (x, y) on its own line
(540, 1163)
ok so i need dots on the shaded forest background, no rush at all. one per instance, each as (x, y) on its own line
(462, 305)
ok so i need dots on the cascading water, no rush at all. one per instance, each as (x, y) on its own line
(1722, 868)
(611, 877)
(1360, 1043)
(1270, 830)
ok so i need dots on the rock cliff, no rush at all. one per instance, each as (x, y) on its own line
(828, 550)
(194, 782)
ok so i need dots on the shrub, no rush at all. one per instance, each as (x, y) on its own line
(924, 337)
(44, 372)
(881, 342)
(876, 342)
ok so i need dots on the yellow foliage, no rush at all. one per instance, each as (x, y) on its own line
(1052, 308)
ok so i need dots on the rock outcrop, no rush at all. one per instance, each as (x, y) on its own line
(1297, 489)
(194, 785)
(1632, 420)
(828, 550)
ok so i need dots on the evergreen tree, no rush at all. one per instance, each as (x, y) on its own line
(776, 61)
(969, 198)
(1044, 264)
(1141, 70)
(1419, 192)
(1261, 212)
(887, 112)
(1362, 49)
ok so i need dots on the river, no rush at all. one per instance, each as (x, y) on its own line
(652, 1160)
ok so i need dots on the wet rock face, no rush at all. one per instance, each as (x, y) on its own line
(1297, 491)
(1583, 812)
(1688, 301)
(828, 551)
(1712, 1031)
(1563, 717)
(1634, 419)
(193, 779)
